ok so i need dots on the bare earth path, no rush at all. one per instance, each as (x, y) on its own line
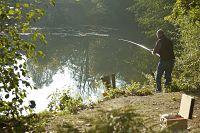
(149, 107)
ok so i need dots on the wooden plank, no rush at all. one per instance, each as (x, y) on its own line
(186, 106)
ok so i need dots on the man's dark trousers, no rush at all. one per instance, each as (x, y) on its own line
(164, 67)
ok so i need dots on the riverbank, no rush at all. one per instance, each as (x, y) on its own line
(148, 108)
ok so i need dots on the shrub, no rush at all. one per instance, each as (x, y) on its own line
(121, 120)
(73, 105)
(113, 93)
(63, 101)
(139, 90)
(17, 17)
(135, 88)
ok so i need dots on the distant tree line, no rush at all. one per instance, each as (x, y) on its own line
(89, 12)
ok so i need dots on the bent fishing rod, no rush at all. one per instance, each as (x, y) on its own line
(107, 35)
(142, 46)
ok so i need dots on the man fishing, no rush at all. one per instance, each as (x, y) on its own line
(164, 48)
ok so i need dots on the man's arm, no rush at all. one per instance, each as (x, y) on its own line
(157, 47)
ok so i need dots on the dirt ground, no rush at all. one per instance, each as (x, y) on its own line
(150, 107)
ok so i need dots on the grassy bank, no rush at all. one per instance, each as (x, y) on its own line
(122, 114)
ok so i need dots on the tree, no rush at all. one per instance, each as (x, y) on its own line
(180, 17)
(150, 15)
(185, 16)
(16, 18)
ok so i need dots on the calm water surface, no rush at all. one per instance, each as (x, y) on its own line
(77, 57)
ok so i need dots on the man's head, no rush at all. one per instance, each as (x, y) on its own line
(160, 33)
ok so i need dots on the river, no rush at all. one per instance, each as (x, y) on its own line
(77, 57)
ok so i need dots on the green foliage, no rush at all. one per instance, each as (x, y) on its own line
(63, 101)
(140, 90)
(30, 123)
(70, 104)
(175, 86)
(186, 16)
(150, 15)
(112, 9)
(37, 122)
(120, 121)
(135, 88)
(113, 93)
(89, 12)
(16, 17)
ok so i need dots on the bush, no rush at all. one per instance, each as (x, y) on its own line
(113, 93)
(135, 88)
(73, 105)
(139, 90)
(63, 101)
(119, 121)
(185, 16)
(17, 17)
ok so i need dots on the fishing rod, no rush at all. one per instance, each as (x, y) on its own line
(150, 50)
(142, 46)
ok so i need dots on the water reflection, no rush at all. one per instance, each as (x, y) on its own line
(77, 58)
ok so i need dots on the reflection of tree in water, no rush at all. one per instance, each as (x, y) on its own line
(42, 74)
(74, 54)
(79, 63)
(111, 56)
(56, 53)
(88, 58)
